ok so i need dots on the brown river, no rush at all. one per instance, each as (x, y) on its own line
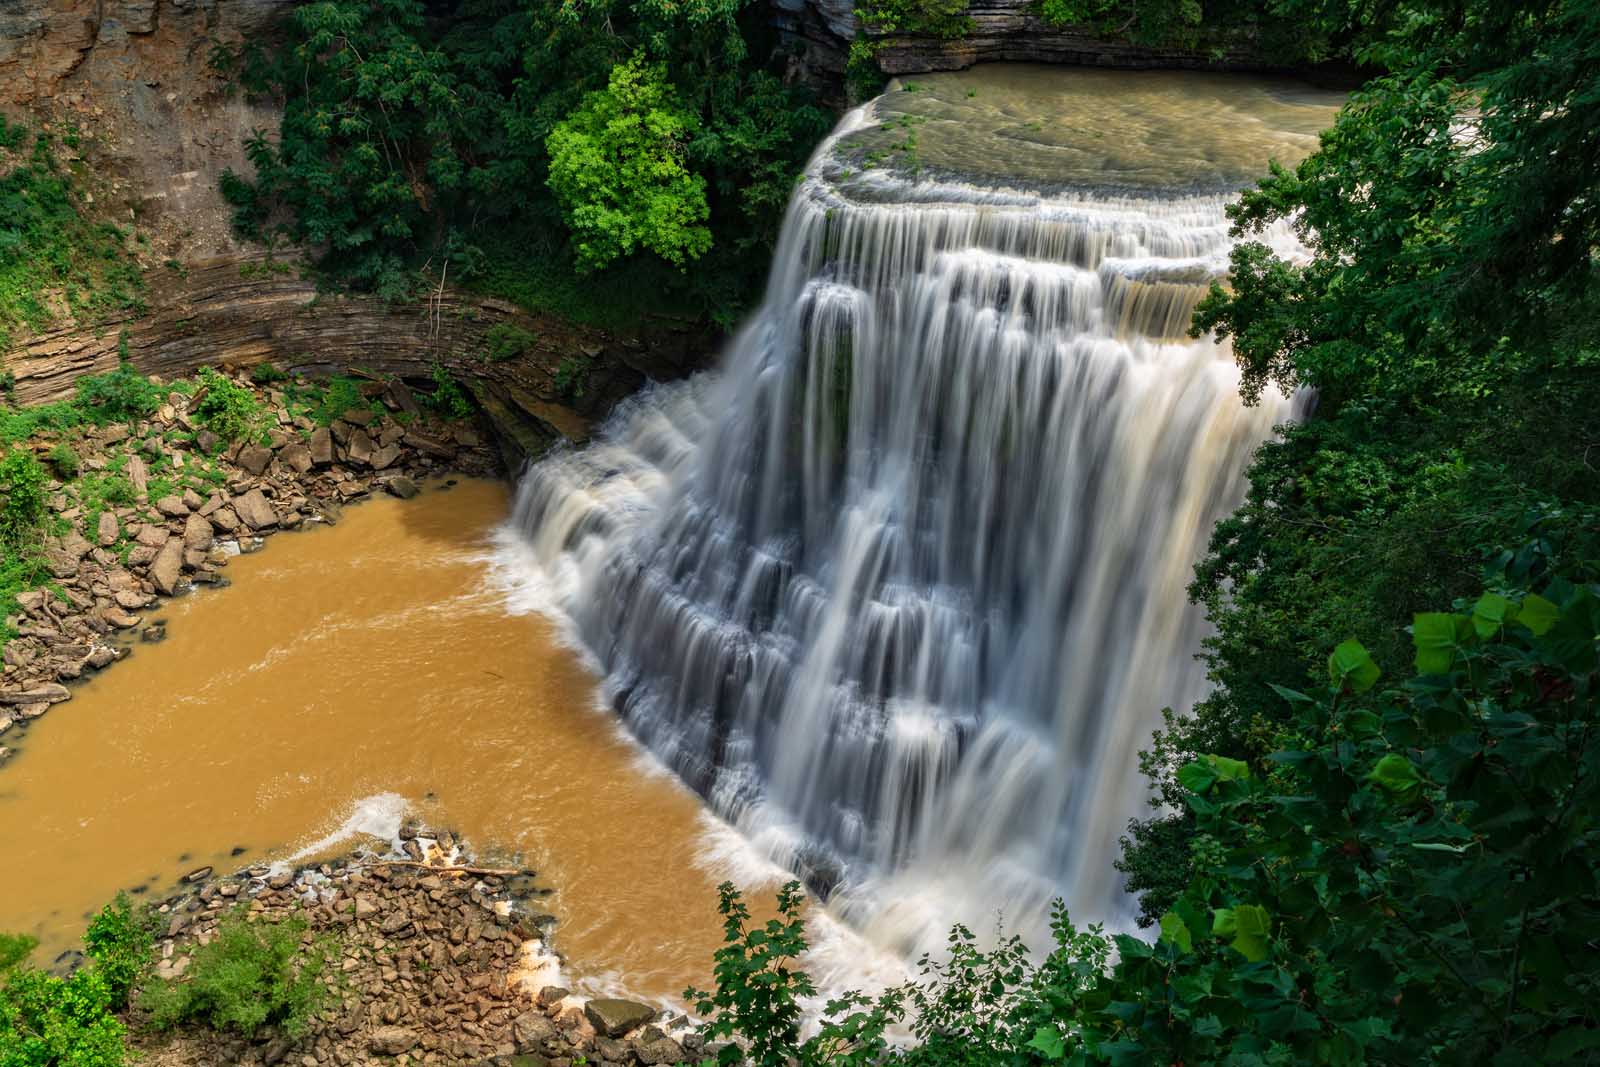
(350, 674)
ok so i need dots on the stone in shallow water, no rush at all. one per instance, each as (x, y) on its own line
(613, 1018)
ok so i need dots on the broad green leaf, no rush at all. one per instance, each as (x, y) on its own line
(1351, 664)
(1222, 922)
(1395, 775)
(1197, 776)
(1491, 613)
(1253, 928)
(1229, 770)
(1439, 846)
(1538, 614)
(1291, 695)
(1175, 932)
(1434, 635)
(1047, 1042)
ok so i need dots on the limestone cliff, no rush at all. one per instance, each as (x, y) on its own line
(158, 126)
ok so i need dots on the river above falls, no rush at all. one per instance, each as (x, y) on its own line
(352, 674)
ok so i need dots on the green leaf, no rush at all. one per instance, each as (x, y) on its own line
(1047, 1042)
(1229, 770)
(1395, 775)
(1175, 932)
(1434, 635)
(1291, 695)
(1351, 664)
(1197, 776)
(1222, 922)
(1538, 614)
(1491, 613)
(1253, 928)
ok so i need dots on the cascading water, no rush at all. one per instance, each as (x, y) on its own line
(901, 591)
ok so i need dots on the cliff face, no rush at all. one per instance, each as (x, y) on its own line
(158, 126)
(1003, 30)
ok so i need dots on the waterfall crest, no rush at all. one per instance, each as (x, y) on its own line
(901, 589)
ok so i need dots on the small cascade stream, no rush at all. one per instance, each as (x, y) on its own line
(900, 590)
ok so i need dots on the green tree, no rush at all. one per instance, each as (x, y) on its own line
(617, 167)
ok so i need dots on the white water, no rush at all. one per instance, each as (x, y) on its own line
(901, 589)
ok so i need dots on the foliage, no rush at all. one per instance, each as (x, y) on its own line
(22, 480)
(572, 376)
(120, 939)
(507, 340)
(447, 397)
(413, 149)
(50, 1021)
(266, 374)
(1264, 28)
(936, 18)
(53, 257)
(1406, 881)
(228, 409)
(617, 169)
(249, 976)
(122, 395)
(64, 460)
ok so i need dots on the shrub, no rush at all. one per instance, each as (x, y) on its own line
(266, 373)
(337, 396)
(228, 409)
(122, 395)
(120, 939)
(572, 376)
(65, 461)
(251, 975)
(22, 479)
(447, 397)
(507, 340)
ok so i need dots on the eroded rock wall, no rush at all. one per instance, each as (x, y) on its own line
(158, 125)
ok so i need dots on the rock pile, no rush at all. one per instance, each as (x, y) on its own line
(432, 968)
(153, 548)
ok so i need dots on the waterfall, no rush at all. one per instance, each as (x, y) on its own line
(901, 588)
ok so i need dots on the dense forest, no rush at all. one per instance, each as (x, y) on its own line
(1379, 829)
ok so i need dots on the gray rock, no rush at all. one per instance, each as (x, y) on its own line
(130, 599)
(167, 568)
(552, 993)
(107, 529)
(254, 510)
(384, 457)
(297, 457)
(172, 507)
(392, 1040)
(613, 1018)
(45, 694)
(402, 487)
(255, 459)
(152, 535)
(359, 448)
(531, 1029)
(321, 446)
(662, 1050)
(197, 533)
(138, 474)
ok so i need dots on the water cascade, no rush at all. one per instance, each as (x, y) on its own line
(901, 589)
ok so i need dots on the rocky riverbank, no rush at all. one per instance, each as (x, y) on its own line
(137, 511)
(436, 961)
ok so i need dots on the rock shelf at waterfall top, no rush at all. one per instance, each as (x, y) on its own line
(115, 562)
(435, 961)
(1017, 126)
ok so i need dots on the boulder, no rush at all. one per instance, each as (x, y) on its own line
(130, 599)
(32, 600)
(392, 1040)
(207, 442)
(430, 445)
(613, 1017)
(152, 535)
(62, 564)
(663, 1050)
(138, 474)
(384, 457)
(297, 457)
(255, 459)
(321, 447)
(254, 510)
(172, 507)
(167, 568)
(192, 501)
(42, 694)
(402, 487)
(359, 448)
(531, 1029)
(107, 529)
(225, 519)
(197, 533)
(359, 416)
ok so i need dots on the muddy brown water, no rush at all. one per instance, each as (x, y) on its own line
(349, 672)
